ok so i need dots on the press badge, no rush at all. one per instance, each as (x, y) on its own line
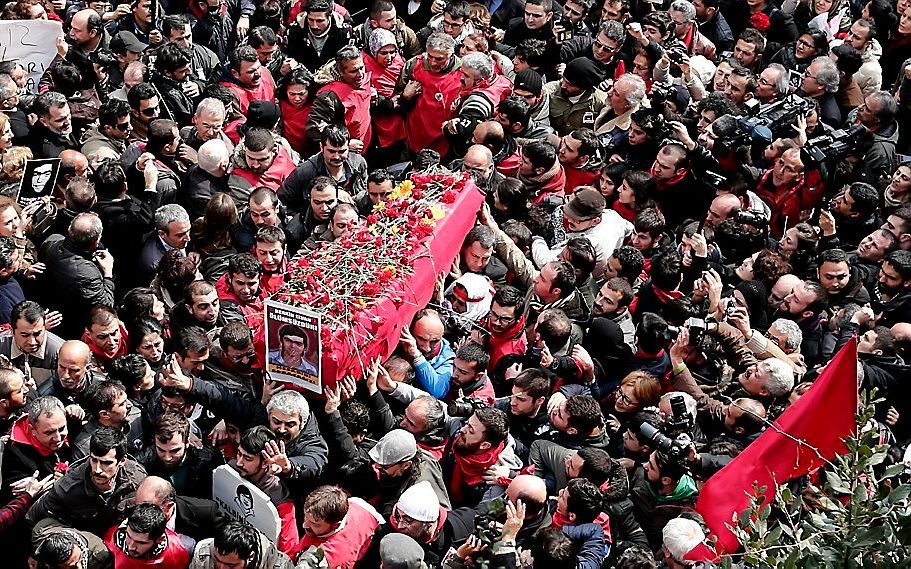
(588, 117)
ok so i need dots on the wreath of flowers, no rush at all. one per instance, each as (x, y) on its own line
(348, 276)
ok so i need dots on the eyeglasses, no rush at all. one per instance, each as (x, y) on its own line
(601, 45)
(494, 317)
(451, 24)
(242, 357)
(151, 111)
(624, 398)
(805, 43)
(122, 127)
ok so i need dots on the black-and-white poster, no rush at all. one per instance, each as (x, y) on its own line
(38, 179)
(241, 501)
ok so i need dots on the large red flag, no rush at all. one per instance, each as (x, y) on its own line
(823, 417)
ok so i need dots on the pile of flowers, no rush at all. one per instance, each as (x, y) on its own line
(347, 276)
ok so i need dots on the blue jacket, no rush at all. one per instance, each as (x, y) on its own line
(435, 374)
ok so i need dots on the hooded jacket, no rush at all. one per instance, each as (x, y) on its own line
(870, 75)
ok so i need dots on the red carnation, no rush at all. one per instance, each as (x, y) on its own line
(760, 21)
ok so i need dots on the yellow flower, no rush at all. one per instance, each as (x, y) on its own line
(437, 212)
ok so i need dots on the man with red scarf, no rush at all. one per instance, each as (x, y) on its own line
(430, 82)
(683, 13)
(345, 101)
(106, 336)
(789, 188)
(38, 442)
(143, 540)
(480, 443)
(678, 192)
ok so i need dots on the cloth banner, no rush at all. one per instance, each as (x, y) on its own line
(33, 43)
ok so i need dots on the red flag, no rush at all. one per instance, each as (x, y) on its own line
(823, 417)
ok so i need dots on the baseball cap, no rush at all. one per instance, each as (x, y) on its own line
(127, 41)
(395, 446)
(585, 204)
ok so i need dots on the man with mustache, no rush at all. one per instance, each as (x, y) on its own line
(253, 467)
(93, 495)
(345, 101)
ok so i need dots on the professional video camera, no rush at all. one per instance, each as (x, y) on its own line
(465, 406)
(676, 449)
(835, 145)
(768, 121)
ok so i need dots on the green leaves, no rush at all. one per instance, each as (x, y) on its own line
(859, 517)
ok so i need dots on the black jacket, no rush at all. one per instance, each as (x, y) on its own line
(304, 51)
(197, 518)
(194, 475)
(74, 500)
(125, 221)
(295, 191)
(198, 189)
(179, 105)
(73, 283)
(46, 144)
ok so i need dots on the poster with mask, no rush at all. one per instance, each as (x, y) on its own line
(38, 179)
(293, 346)
(241, 501)
(32, 43)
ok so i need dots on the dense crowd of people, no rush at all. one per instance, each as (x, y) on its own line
(690, 206)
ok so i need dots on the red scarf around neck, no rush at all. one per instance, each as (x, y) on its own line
(469, 469)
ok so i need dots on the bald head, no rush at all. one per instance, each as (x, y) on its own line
(85, 231)
(72, 163)
(782, 288)
(154, 490)
(73, 365)
(489, 134)
(75, 350)
(479, 154)
(531, 490)
(721, 208)
(748, 405)
(902, 331)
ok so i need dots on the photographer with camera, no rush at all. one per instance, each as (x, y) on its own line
(744, 420)
(661, 488)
